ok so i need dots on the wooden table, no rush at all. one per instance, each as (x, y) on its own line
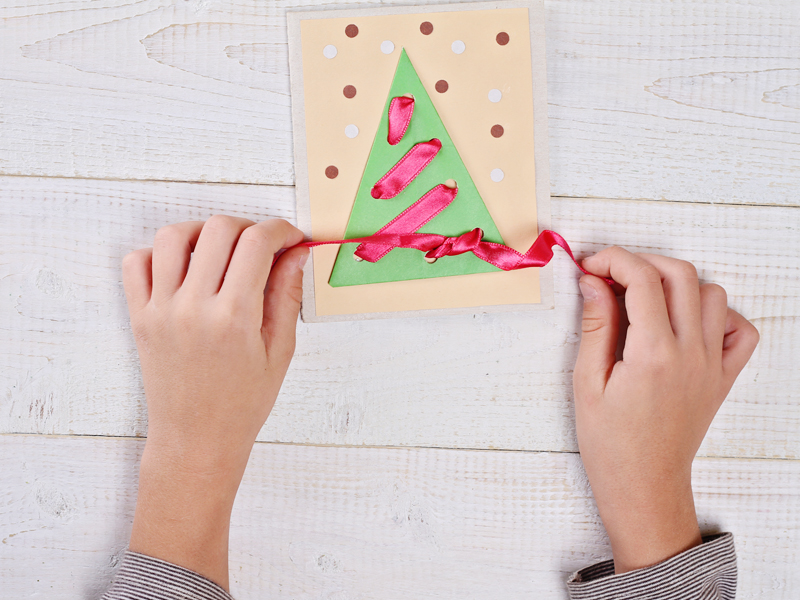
(442, 464)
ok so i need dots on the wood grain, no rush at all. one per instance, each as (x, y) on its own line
(489, 381)
(694, 102)
(342, 523)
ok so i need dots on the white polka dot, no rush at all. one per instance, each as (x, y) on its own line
(497, 175)
(387, 47)
(495, 95)
(329, 51)
(458, 47)
(351, 131)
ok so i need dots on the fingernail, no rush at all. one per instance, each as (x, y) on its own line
(301, 263)
(588, 292)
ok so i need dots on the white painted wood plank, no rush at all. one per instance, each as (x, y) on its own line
(341, 523)
(492, 381)
(697, 102)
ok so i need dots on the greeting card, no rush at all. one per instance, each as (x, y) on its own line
(420, 120)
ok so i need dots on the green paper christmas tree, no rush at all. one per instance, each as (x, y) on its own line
(465, 213)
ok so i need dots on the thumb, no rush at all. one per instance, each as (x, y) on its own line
(282, 305)
(600, 329)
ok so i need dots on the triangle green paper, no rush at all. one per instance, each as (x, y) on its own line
(465, 213)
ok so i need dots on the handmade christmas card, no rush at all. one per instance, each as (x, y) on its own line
(421, 132)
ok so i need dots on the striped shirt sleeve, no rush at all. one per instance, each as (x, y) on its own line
(705, 572)
(141, 577)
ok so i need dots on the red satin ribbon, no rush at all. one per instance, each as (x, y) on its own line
(406, 169)
(395, 233)
(400, 111)
(438, 246)
(411, 219)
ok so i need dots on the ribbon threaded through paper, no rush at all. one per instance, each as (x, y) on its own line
(400, 231)
(400, 110)
(406, 170)
(411, 219)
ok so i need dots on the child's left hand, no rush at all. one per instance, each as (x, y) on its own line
(214, 349)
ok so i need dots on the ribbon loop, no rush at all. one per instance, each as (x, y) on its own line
(406, 170)
(462, 244)
(400, 111)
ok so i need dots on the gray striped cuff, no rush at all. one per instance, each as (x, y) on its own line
(143, 577)
(705, 572)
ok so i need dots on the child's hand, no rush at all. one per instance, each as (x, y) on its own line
(640, 421)
(214, 349)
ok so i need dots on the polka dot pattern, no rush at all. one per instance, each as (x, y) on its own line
(442, 86)
(329, 51)
(497, 175)
(349, 91)
(351, 30)
(426, 28)
(387, 47)
(331, 172)
(502, 38)
(458, 47)
(351, 131)
(497, 131)
(495, 95)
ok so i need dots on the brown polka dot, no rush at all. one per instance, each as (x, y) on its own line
(497, 131)
(349, 91)
(426, 27)
(331, 172)
(351, 31)
(502, 38)
(442, 86)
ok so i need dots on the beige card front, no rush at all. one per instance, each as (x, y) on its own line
(347, 63)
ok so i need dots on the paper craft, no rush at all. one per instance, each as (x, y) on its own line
(371, 212)
(420, 119)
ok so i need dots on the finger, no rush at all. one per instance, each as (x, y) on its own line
(172, 249)
(282, 305)
(213, 252)
(600, 331)
(137, 278)
(252, 260)
(714, 310)
(739, 343)
(644, 295)
(682, 295)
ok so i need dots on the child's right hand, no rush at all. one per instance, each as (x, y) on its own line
(640, 421)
